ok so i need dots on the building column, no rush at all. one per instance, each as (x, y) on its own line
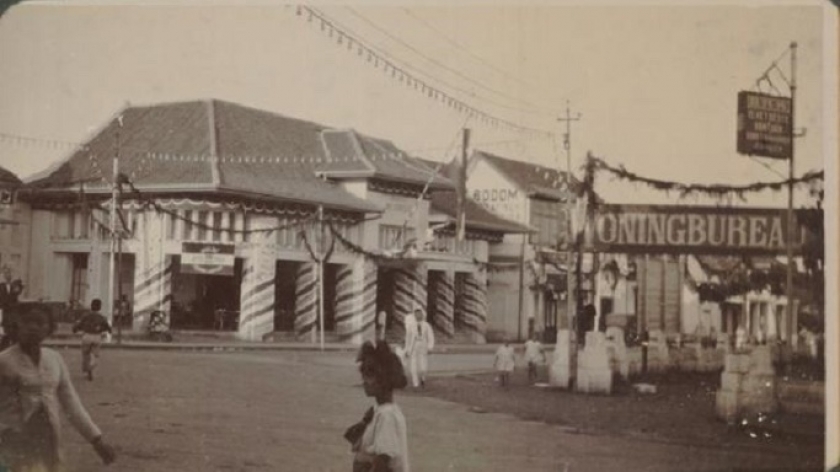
(225, 235)
(445, 316)
(94, 268)
(306, 302)
(256, 294)
(356, 301)
(152, 272)
(410, 294)
(256, 301)
(475, 306)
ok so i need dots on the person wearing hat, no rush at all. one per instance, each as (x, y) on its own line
(419, 341)
(380, 441)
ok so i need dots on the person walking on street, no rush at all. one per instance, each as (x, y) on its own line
(380, 441)
(34, 387)
(534, 355)
(504, 362)
(419, 341)
(93, 326)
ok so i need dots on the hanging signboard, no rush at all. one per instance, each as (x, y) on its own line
(207, 258)
(765, 125)
(690, 230)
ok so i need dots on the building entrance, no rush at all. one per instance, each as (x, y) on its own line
(205, 302)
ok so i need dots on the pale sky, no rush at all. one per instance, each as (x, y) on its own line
(657, 85)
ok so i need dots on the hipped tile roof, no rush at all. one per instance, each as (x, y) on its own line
(170, 147)
(535, 179)
(8, 178)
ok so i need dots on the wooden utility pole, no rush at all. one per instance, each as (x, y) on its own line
(572, 248)
(791, 232)
(462, 187)
(567, 136)
(321, 257)
(113, 281)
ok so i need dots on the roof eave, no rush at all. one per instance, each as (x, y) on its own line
(344, 174)
(368, 208)
(434, 185)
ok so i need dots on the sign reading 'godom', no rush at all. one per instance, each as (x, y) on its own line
(207, 258)
(690, 230)
(765, 125)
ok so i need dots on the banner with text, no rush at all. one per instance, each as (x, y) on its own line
(691, 230)
(207, 258)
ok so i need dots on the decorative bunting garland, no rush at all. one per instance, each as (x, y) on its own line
(356, 249)
(595, 164)
(149, 203)
(737, 282)
(315, 258)
(389, 67)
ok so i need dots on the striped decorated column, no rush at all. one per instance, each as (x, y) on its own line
(306, 302)
(356, 301)
(409, 294)
(152, 272)
(256, 300)
(444, 317)
(151, 287)
(475, 307)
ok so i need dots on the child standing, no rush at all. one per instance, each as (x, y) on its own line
(380, 440)
(534, 355)
(504, 362)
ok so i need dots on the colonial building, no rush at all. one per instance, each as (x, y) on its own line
(14, 227)
(531, 295)
(226, 213)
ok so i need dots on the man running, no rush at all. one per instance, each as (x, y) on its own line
(92, 325)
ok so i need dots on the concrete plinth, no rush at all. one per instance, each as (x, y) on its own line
(748, 385)
(560, 370)
(593, 370)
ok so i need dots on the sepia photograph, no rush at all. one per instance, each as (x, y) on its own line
(468, 236)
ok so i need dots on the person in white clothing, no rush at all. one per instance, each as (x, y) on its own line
(534, 355)
(504, 362)
(419, 341)
(380, 440)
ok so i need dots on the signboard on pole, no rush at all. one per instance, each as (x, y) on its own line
(675, 229)
(765, 125)
(207, 258)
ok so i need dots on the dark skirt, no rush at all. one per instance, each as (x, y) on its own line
(36, 444)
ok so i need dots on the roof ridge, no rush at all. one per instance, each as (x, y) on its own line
(519, 162)
(354, 139)
(274, 114)
(213, 138)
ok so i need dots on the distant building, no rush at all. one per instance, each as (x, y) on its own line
(14, 227)
(644, 292)
(533, 298)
